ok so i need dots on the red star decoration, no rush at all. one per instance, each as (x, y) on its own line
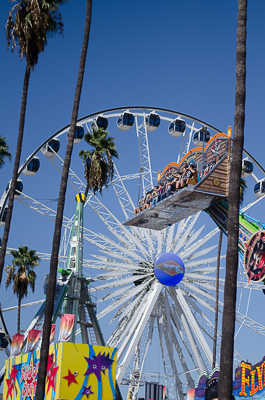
(51, 378)
(14, 373)
(50, 363)
(11, 381)
(10, 386)
(70, 377)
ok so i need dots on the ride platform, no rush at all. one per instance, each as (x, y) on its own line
(211, 188)
(184, 203)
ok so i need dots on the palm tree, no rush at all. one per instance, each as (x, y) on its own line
(99, 167)
(228, 324)
(40, 389)
(4, 151)
(21, 274)
(28, 25)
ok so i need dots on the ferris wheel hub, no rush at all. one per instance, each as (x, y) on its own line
(169, 268)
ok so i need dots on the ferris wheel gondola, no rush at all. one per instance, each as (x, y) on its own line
(3, 219)
(152, 121)
(79, 134)
(51, 148)
(177, 127)
(247, 168)
(32, 167)
(99, 122)
(259, 188)
(125, 121)
(201, 136)
(18, 190)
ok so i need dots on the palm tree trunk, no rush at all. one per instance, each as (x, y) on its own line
(228, 325)
(40, 390)
(216, 299)
(18, 314)
(15, 170)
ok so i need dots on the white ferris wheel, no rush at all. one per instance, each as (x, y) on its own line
(134, 310)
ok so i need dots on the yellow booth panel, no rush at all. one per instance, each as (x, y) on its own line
(74, 371)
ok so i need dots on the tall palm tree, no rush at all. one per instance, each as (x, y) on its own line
(40, 389)
(21, 274)
(99, 167)
(228, 325)
(28, 25)
(4, 151)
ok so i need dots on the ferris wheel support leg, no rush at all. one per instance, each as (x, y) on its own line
(149, 307)
(166, 330)
(188, 334)
(194, 325)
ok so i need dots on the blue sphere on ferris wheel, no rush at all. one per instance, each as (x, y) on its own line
(169, 269)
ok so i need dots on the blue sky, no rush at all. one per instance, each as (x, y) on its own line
(178, 55)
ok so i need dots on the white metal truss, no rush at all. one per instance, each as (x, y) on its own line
(145, 161)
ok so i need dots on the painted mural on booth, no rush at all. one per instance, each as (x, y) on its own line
(74, 372)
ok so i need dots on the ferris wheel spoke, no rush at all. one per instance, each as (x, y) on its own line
(197, 263)
(105, 264)
(193, 237)
(122, 194)
(125, 297)
(149, 300)
(120, 282)
(197, 277)
(40, 208)
(159, 242)
(203, 293)
(119, 272)
(189, 380)
(117, 255)
(112, 223)
(199, 253)
(128, 245)
(182, 330)
(123, 249)
(148, 238)
(42, 256)
(170, 237)
(207, 323)
(205, 327)
(132, 322)
(145, 160)
(134, 302)
(110, 275)
(185, 231)
(194, 354)
(115, 293)
(73, 178)
(124, 326)
(253, 203)
(176, 384)
(46, 211)
(190, 253)
(177, 295)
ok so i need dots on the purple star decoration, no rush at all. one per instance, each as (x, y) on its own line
(98, 363)
(106, 362)
(87, 391)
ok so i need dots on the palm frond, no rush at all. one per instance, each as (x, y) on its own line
(28, 25)
(99, 166)
(21, 271)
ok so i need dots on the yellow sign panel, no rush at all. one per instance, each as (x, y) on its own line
(74, 372)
